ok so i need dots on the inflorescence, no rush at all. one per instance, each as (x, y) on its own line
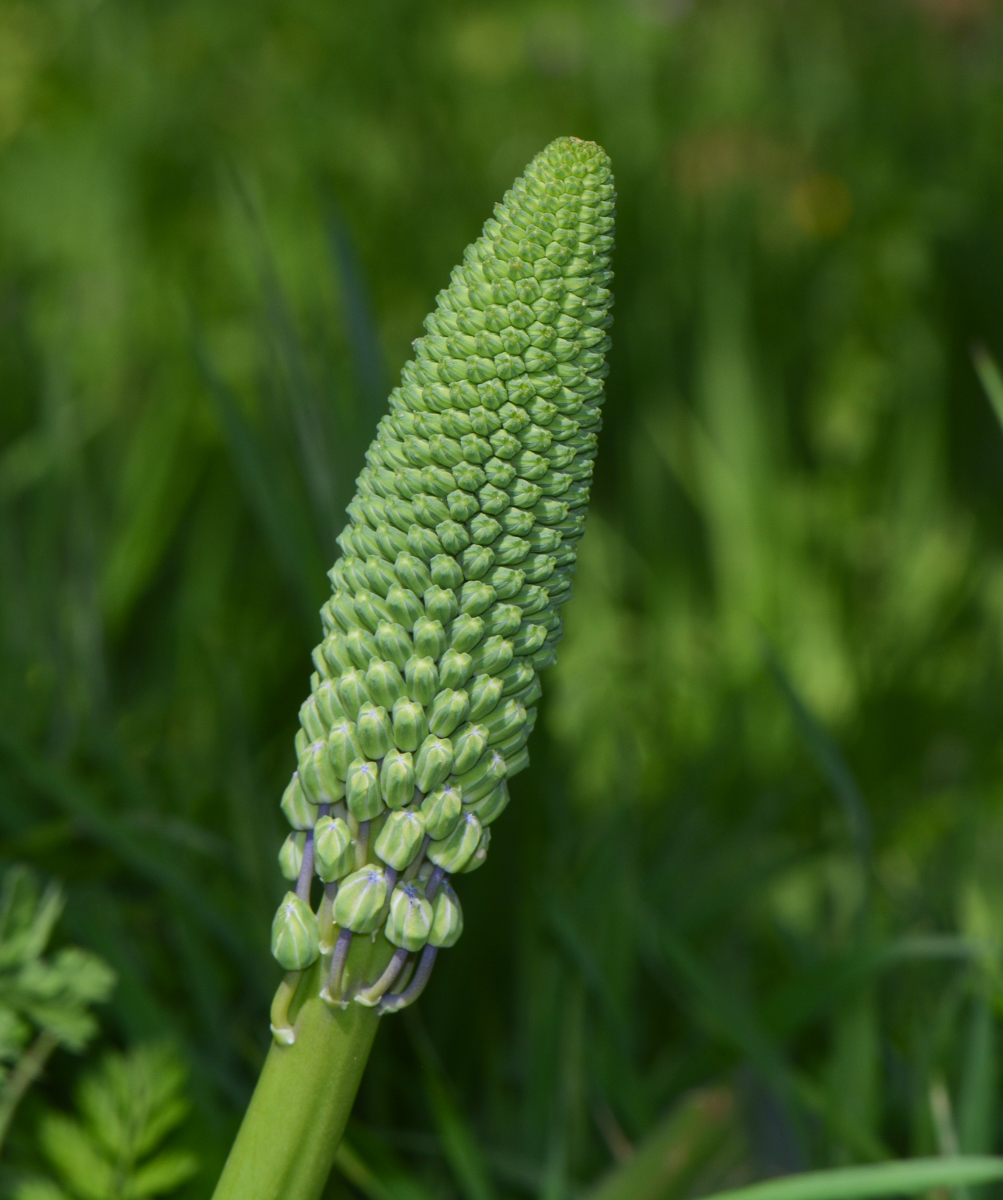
(446, 604)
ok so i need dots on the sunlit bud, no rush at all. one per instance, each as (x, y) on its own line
(362, 791)
(336, 654)
(394, 643)
(485, 692)
(384, 682)
(507, 717)
(311, 720)
(475, 597)
(481, 778)
(468, 746)
(296, 808)
(410, 727)
(432, 765)
(334, 853)
(488, 808)
(410, 919)
(362, 647)
(328, 704)
(455, 851)
(343, 747)
(373, 730)
(412, 573)
(429, 638)
(397, 779)
(480, 854)
(449, 709)
(454, 669)
(291, 855)
(465, 632)
(352, 692)
(444, 569)
(400, 838)
(441, 810)
(295, 936)
(447, 918)
(317, 776)
(359, 903)
(404, 606)
(440, 604)
(422, 679)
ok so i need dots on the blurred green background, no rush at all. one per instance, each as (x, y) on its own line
(761, 846)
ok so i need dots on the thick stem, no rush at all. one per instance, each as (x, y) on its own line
(287, 1142)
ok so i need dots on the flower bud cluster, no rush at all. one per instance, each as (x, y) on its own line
(457, 561)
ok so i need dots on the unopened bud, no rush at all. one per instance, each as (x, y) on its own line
(449, 709)
(490, 807)
(359, 903)
(384, 682)
(343, 747)
(291, 856)
(441, 810)
(397, 779)
(410, 919)
(394, 643)
(362, 791)
(482, 777)
(373, 731)
(455, 851)
(317, 776)
(296, 807)
(455, 669)
(352, 692)
(410, 727)
(465, 632)
(422, 679)
(333, 851)
(400, 838)
(480, 854)
(447, 918)
(433, 763)
(468, 746)
(485, 692)
(295, 936)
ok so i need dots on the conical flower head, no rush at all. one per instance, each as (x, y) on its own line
(458, 555)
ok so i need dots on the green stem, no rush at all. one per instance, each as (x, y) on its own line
(22, 1077)
(287, 1142)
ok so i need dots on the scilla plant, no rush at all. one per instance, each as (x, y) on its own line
(446, 605)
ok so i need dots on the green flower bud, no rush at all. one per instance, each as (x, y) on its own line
(432, 766)
(518, 762)
(362, 647)
(296, 807)
(455, 851)
(291, 856)
(468, 746)
(312, 721)
(454, 669)
(429, 638)
(394, 643)
(362, 791)
(509, 747)
(449, 709)
(488, 808)
(505, 719)
(343, 747)
(441, 810)
(352, 692)
(410, 919)
(384, 682)
(479, 855)
(295, 936)
(400, 838)
(373, 731)
(397, 779)
(465, 632)
(359, 903)
(440, 604)
(517, 676)
(336, 656)
(404, 606)
(482, 777)
(476, 597)
(485, 692)
(492, 656)
(317, 776)
(412, 573)
(333, 850)
(444, 569)
(447, 918)
(410, 726)
(422, 679)
(328, 705)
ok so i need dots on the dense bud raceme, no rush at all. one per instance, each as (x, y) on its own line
(446, 602)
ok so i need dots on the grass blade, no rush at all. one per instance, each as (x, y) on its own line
(905, 1177)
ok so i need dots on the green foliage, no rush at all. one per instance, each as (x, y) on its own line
(800, 481)
(113, 1149)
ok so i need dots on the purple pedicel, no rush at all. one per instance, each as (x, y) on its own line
(386, 980)
(391, 877)
(341, 949)
(434, 880)
(399, 1000)
(306, 870)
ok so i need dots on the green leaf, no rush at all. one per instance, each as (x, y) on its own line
(78, 1161)
(905, 1177)
(38, 1189)
(989, 376)
(161, 1174)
